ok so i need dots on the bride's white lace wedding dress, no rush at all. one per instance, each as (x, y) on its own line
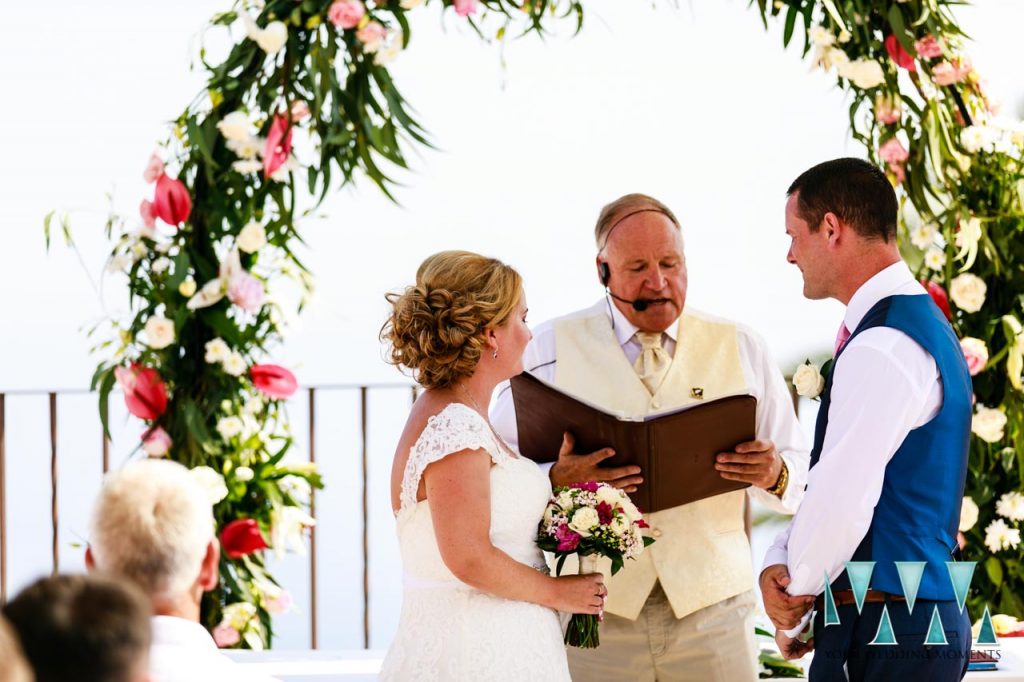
(447, 629)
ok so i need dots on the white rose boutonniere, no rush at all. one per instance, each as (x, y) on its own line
(809, 380)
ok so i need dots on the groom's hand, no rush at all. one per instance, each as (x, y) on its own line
(784, 609)
(756, 462)
(573, 468)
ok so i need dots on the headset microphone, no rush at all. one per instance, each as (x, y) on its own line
(639, 305)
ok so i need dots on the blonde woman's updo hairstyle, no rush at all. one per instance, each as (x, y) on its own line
(436, 327)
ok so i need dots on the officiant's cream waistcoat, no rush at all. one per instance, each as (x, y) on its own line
(701, 554)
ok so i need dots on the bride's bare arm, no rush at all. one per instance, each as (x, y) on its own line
(458, 487)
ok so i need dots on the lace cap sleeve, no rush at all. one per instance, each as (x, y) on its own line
(453, 429)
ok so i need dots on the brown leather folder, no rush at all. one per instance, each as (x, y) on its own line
(675, 450)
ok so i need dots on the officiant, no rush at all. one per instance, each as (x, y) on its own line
(684, 610)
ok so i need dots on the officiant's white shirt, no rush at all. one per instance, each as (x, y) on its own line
(776, 420)
(183, 651)
(886, 386)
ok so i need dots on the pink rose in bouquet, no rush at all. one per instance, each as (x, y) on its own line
(591, 520)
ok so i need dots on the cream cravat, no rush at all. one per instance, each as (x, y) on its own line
(652, 363)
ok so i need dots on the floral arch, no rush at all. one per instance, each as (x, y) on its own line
(304, 102)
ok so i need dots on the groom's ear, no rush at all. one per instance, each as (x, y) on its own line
(832, 227)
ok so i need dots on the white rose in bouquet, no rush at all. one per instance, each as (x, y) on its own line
(583, 521)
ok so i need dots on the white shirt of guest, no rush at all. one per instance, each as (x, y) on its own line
(183, 651)
(776, 420)
(885, 386)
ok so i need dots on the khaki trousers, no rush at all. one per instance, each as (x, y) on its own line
(714, 644)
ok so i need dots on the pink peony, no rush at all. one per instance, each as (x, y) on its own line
(568, 540)
(147, 213)
(947, 73)
(929, 47)
(246, 292)
(154, 169)
(156, 443)
(226, 636)
(898, 54)
(346, 14)
(589, 485)
(893, 152)
(465, 7)
(279, 145)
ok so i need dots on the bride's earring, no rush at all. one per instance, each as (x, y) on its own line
(495, 356)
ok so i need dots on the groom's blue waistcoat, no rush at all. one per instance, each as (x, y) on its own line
(918, 513)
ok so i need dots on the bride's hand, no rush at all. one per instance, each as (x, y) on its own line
(576, 468)
(580, 594)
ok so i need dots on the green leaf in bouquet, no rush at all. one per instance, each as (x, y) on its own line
(994, 569)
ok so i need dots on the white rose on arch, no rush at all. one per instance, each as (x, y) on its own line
(988, 424)
(968, 514)
(808, 380)
(968, 292)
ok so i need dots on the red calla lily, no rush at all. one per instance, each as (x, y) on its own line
(938, 295)
(145, 394)
(171, 203)
(242, 537)
(274, 380)
(279, 144)
(899, 54)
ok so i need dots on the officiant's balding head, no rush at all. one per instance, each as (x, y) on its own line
(640, 258)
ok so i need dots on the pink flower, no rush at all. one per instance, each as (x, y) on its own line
(346, 13)
(299, 110)
(156, 443)
(975, 353)
(246, 292)
(154, 169)
(947, 73)
(887, 109)
(371, 36)
(893, 152)
(226, 636)
(147, 214)
(274, 380)
(279, 144)
(589, 485)
(604, 513)
(465, 7)
(898, 54)
(568, 540)
(280, 604)
(929, 47)
(171, 202)
(145, 394)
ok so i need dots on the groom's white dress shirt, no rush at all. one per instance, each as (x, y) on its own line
(775, 417)
(886, 386)
(183, 651)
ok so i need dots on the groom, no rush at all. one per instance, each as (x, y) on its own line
(890, 448)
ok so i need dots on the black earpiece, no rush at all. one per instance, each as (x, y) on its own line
(606, 273)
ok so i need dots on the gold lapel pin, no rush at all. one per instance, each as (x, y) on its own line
(697, 392)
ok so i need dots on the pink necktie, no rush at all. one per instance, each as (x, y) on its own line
(841, 338)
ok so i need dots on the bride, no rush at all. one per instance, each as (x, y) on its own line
(478, 602)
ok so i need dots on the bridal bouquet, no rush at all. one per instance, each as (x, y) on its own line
(591, 520)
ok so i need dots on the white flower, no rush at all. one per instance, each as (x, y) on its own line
(244, 474)
(968, 292)
(584, 520)
(159, 332)
(631, 511)
(120, 263)
(212, 292)
(234, 364)
(249, 148)
(239, 614)
(229, 427)
(410, 4)
(820, 35)
(247, 166)
(187, 287)
(139, 250)
(235, 126)
(281, 174)
(865, 73)
(935, 258)
(252, 405)
(978, 138)
(999, 536)
(924, 236)
(272, 38)
(967, 239)
(808, 381)
(988, 424)
(252, 237)
(609, 495)
(844, 36)
(619, 525)
(287, 524)
(299, 488)
(160, 265)
(211, 482)
(389, 52)
(968, 514)
(565, 500)
(1011, 505)
(216, 351)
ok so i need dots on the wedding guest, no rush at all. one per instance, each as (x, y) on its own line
(684, 610)
(153, 524)
(890, 447)
(13, 666)
(77, 628)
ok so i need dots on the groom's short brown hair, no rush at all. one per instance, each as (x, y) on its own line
(857, 192)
